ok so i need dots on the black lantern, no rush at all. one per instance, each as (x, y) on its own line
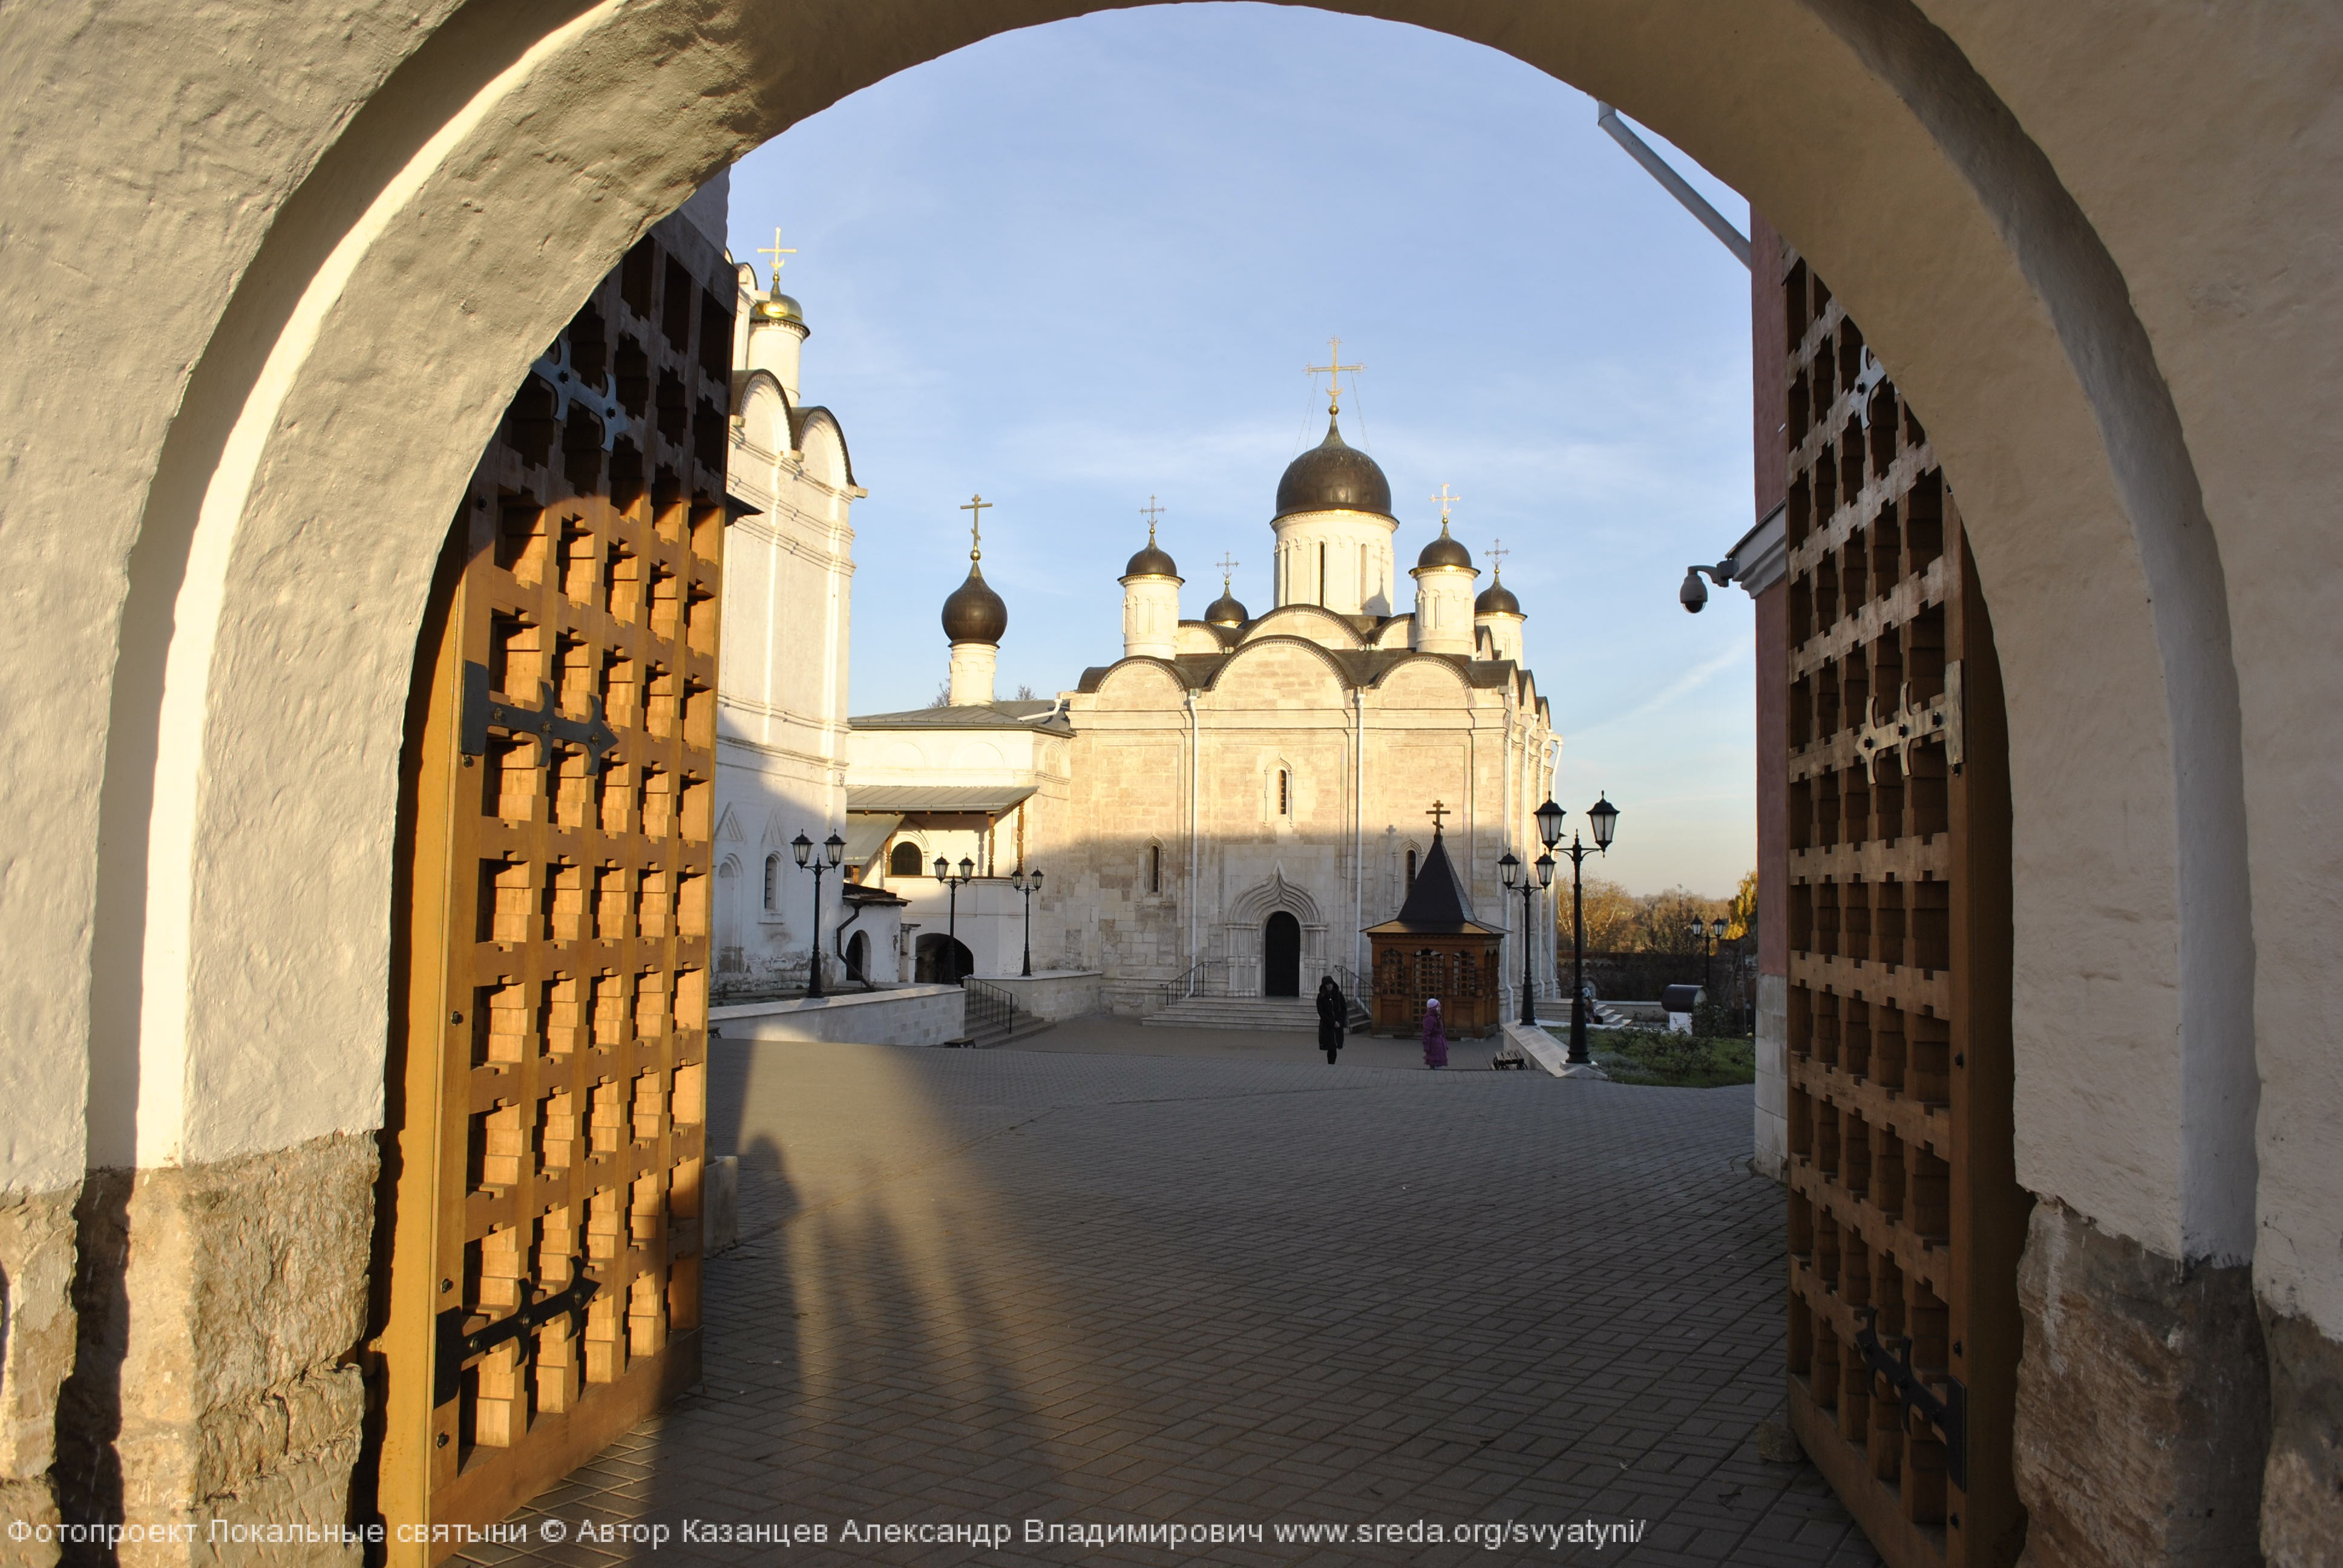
(1549, 821)
(1605, 818)
(1028, 884)
(834, 848)
(943, 869)
(1545, 870)
(1510, 868)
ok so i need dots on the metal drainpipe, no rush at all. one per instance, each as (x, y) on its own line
(838, 935)
(1195, 868)
(1358, 831)
(1674, 184)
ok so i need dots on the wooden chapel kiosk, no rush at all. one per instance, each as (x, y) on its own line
(1434, 948)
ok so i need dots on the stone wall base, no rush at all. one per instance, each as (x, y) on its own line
(2143, 1403)
(220, 1309)
(36, 1351)
(1770, 1151)
(2302, 1485)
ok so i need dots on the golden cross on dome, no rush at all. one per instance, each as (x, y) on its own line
(776, 250)
(974, 506)
(1333, 370)
(1228, 566)
(1440, 809)
(1497, 554)
(1151, 511)
(1446, 501)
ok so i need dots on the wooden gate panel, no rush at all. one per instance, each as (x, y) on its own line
(1904, 1215)
(548, 1098)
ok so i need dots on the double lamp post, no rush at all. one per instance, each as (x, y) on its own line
(1026, 882)
(834, 847)
(1604, 817)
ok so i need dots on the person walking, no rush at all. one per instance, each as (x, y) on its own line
(1435, 1036)
(1333, 1017)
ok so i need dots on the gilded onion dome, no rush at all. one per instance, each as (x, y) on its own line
(1333, 475)
(974, 613)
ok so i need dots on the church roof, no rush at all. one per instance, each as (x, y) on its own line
(1333, 475)
(1021, 713)
(869, 799)
(1436, 905)
(1361, 667)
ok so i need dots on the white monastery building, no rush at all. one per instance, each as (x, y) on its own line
(1225, 808)
(781, 727)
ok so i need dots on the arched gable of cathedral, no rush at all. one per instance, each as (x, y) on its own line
(1141, 683)
(1308, 621)
(823, 441)
(1267, 897)
(764, 406)
(1290, 673)
(1427, 679)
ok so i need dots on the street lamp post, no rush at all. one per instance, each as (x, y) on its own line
(1029, 886)
(834, 847)
(951, 917)
(1530, 887)
(1706, 937)
(1604, 817)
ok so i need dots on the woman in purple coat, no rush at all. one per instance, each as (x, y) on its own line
(1435, 1038)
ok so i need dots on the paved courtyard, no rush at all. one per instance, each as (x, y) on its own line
(1123, 1277)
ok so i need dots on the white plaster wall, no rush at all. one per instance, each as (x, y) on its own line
(781, 685)
(2122, 267)
(1355, 543)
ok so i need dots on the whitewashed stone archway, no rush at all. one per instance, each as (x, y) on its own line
(2096, 245)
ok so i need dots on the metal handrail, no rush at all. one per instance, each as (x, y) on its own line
(992, 1012)
(1191, 981)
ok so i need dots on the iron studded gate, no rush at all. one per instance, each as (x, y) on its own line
(543, 1158)
(1904, 1215)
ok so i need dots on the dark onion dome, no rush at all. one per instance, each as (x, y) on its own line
(1150, 562)
(1333, 475)
(1445, 551)
(1497, 599)
(1225, 610)
(974, 613)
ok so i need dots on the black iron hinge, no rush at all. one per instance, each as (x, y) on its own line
(483, 710)
(458, 1345)
(1948, 1413)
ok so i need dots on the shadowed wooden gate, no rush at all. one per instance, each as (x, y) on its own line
(540, 1209)
(1905, 1218)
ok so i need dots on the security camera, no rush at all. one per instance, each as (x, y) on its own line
(1695, 592)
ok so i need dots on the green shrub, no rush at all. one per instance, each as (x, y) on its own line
(1655, 1056)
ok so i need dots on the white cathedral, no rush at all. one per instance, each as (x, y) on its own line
(1222, 810)
(1227, 807)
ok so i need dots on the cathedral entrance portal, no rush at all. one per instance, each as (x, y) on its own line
(1280, 956)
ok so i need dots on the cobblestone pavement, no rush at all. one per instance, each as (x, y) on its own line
(1095, 1289)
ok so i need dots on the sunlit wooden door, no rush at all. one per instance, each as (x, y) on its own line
(541, 1199)
(1904, 1215)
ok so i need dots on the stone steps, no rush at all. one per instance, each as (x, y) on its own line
(1273, 1013)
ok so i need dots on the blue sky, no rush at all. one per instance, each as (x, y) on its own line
(1077, 265)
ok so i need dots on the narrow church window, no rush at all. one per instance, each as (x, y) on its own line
(772, 881)
(1411, 870)
(1155, 868)
(905, 859)
(1284, 793)
(1322, 576)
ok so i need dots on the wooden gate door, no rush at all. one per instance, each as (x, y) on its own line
(1904, 1215)
(548, 1092)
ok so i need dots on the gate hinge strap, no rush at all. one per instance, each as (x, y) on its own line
(483, 710)
(1948, 1414)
